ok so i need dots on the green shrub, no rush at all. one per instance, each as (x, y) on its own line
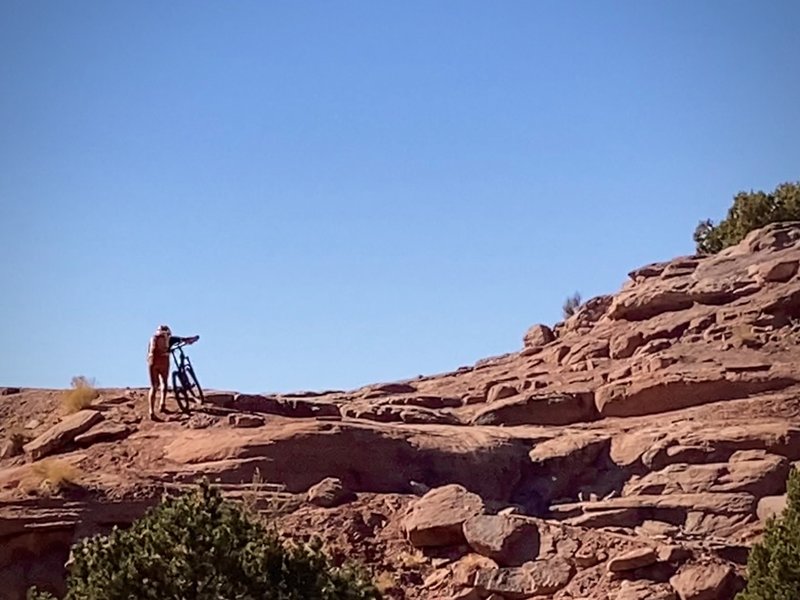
(571, 305)
(773, 567)
(750, 211)
(201, 547)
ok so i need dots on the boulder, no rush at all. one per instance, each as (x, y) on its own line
(437, 519)
(537, 336)
(328, 493)
(634, 559)
(771, 506)
(536, 578)
(539, 409)
(711, 581)
(245, 421)
(507, 540)
(63, 433)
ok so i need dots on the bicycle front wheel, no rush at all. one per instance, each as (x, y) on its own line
(193, 385)
(179, 389)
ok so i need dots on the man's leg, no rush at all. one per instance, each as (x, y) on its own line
(165, 378)
(151, 396)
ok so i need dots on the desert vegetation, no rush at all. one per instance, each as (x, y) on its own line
(81, 394)
(199, 545)
(750, 210)
(773, 567)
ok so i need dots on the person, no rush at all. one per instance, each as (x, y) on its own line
(158, 359)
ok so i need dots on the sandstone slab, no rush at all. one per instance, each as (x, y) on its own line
(245, 421)
(63, 433)
(539, 409)
(103, 432)
(634, 559)
(672, 391)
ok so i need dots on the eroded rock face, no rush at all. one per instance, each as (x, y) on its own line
(487, 462)
(661, 419)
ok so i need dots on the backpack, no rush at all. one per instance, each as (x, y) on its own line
(159, 345)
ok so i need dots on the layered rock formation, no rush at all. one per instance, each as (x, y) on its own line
(629, 452)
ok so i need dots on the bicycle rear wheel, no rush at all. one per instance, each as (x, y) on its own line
(180, 391)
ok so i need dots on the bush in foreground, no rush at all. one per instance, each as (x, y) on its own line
(750, 211)
(773, 567)
(201, 547)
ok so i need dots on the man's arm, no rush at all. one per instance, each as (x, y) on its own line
(183, 340)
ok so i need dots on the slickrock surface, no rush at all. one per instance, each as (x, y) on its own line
(632, 451)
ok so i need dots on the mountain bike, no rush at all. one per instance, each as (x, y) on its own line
(185, 385)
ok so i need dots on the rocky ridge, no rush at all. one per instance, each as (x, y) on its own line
(631, 451)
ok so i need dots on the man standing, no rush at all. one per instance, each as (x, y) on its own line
(158, 355)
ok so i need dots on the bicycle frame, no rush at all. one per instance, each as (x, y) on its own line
(180, 358)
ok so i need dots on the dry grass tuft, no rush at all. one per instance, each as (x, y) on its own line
(19, 437)
(81, 396)
(411, 560)
(743, 336)
(385, 582)
(250, 497)
(53, 474)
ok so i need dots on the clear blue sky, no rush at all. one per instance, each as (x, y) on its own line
(338, 193)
